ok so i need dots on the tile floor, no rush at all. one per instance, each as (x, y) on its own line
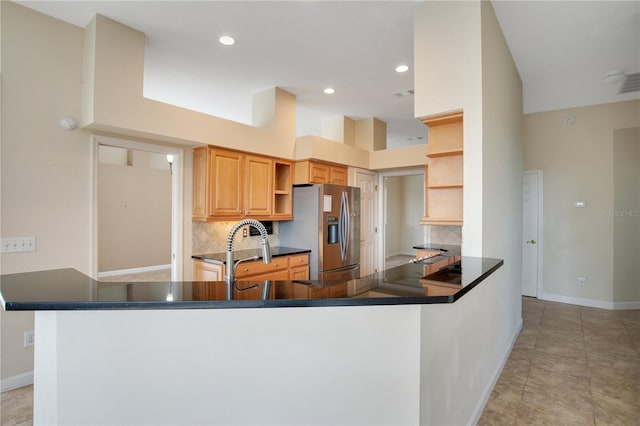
(571, 365)
(393, 261)
(161, 275)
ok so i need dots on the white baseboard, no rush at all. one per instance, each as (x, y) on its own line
(591, 303)
(15, 382)
(133, 271)
(477, 413)
(626, 305)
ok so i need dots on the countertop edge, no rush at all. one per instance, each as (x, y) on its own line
(243, 304)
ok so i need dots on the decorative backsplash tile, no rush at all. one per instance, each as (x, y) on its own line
(211, 237)
(445, 235)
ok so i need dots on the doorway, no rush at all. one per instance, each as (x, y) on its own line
(532, 233)
(402, 208)
(136, 211)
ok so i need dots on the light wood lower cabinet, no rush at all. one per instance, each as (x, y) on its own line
(280, 268)
(205, 271)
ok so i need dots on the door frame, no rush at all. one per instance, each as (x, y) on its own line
(353, 181)
(177, 182)
(540, 245)
(382, 207)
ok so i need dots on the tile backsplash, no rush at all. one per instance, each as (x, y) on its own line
(211, 237)
(445, 235)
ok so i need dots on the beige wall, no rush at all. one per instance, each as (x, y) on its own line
(134, 207)
(45, 169)
(626, 215)
(578, 164)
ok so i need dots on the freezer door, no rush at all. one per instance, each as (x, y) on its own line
(340, 275)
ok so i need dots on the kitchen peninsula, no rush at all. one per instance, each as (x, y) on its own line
(148, 353)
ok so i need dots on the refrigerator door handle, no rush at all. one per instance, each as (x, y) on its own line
(344, 225)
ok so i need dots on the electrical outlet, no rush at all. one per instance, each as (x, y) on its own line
(582, 280)
(244, 231)
(28, 338)
(22, 244)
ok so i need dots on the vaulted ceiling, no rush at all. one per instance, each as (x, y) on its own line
(562, 50)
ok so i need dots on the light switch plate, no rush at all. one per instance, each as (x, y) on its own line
(21, 244)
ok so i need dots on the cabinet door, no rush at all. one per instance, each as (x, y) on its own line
(226, 183)
(281, 275)
(319, 173)
(259, 186)
(200, 183)
(338, 175)
(204, 271)
(299, 273)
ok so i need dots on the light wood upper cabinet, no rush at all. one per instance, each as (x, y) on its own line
(231, 185)
(312, 171)
(200, 183)
(444, 173)
(226, 183)
(258, 186)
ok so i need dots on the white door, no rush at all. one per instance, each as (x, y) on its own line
(531, 232)
(367, 180)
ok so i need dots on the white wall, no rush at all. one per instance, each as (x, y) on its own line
(475, 73)
(448, 77)
(393, 219)
(332, 365)
(578, 164)
(404, 208)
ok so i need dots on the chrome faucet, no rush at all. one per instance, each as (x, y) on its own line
(230, 275)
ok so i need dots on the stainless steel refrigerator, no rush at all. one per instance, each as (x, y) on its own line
(327, 221)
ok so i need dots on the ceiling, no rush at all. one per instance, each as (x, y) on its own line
(561, 49)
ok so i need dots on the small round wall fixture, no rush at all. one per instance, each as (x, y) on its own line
(68, 123)
(329, 90)
(402, 68)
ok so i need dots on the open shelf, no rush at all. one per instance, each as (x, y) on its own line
(444, 186)
(447, 153)
(444, 174)
(282, 197)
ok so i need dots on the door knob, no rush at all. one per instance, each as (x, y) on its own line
(531, 242)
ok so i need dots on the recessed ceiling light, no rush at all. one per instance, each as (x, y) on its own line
(227, 40)
(402, 68)
(329, 90)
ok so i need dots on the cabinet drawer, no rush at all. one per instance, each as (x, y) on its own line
(258, 267)
(298, 260)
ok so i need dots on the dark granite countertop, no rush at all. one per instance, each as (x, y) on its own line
(221, 258)
(68, 289)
